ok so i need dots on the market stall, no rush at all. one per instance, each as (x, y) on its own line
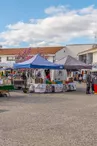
(72, 64)
(37, 62)
(5, 85)
(42, 84)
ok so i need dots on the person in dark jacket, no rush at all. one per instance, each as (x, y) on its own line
(24, 76)
(80, 78)
(24, 79)
(88, 83)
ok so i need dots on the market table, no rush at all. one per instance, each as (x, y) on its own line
(4, 89)
(46, 88)
(49, 88)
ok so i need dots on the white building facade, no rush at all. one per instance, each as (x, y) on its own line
(8, 55)
(7, 58)
(89, 56)
(72, 50)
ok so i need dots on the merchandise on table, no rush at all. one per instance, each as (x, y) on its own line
(70, 79)
(39, 80)
(5, 86)
(58, 88)
(48, 88)
(40, 88)
(48, 82)
(5, 81)
(58, 82)
(70, 87)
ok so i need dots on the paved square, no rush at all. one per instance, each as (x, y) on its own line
(68, 119)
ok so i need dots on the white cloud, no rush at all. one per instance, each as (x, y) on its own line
(56, 10)
(61, 26)
(87, 10)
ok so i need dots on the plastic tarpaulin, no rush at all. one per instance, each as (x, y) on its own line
(38, 62)
(71, 63)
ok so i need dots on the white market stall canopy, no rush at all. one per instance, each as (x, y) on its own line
(71, 63)
(6, 65)
(38, 62)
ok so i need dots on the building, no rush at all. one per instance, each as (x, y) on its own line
(8, 55)
(72, 49)
(88, 56)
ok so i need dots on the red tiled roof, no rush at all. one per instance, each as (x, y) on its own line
(42, 50)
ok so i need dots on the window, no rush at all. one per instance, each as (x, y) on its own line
(83, 58)
(11, 58)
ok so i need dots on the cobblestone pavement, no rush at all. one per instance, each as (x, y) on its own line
(68, 119)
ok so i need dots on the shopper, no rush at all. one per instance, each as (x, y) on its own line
(24, 76)
(24, 79)
(88, 83)
(84, 77)
(80, 78)
(92, 84)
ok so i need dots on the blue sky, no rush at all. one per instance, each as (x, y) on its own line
(14, 11)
